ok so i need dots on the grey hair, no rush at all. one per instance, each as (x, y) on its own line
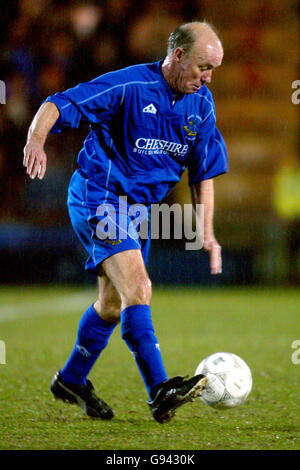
(184, 36)
(181, 37)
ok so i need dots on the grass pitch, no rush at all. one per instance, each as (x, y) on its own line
(38, 326)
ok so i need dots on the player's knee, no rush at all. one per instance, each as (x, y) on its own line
(143, 292)
(109, 309)
(112, 314)
(139, 294)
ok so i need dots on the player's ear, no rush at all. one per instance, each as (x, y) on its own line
(179, 54)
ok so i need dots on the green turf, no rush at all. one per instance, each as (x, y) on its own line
(39, 325)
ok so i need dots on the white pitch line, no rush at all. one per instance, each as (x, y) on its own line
(61, 305)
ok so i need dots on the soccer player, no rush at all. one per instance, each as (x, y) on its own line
(148, 123)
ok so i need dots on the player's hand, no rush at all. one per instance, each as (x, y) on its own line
(215, 256)
(35, 159)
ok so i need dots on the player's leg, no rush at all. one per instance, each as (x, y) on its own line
(127, 272)
(108, 303)
(94, 331)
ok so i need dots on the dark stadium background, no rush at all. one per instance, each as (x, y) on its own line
(48, 46)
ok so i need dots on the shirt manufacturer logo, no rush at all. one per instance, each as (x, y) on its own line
(82, 350)
(150, 109)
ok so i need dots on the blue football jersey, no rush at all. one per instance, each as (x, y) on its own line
(141, 137)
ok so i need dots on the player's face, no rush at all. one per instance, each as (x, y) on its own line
(195, 69)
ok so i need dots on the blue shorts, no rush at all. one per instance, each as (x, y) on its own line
(104, 223)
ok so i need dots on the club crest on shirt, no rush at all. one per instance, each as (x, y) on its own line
(192, 127)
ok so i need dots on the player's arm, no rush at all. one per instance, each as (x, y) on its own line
(203, 193)
(35, 158)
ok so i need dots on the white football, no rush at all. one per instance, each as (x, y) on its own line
(229, 380)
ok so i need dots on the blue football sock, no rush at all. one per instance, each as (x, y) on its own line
(93, 336)
(138, 333)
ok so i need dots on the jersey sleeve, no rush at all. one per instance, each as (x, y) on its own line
(95, 102)
(209, 157)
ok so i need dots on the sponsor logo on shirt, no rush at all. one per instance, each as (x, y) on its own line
(159, 146)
